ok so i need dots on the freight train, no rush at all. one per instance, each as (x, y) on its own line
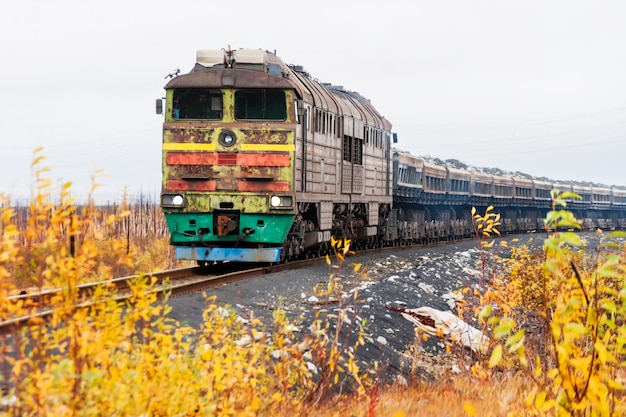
(264, 163)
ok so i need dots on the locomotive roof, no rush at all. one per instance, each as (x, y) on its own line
(255, 68)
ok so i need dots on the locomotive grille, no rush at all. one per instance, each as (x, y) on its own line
(227, 159)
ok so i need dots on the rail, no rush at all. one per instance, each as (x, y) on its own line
(174, 283)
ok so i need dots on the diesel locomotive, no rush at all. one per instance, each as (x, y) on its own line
(263, 163)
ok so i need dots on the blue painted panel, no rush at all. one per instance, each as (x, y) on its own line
(228, 254)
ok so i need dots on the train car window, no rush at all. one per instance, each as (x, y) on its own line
(260, 104)
(197, 103)
(358, 152)
(347, 148)
(298, 112)
(353, 150)
(541, 193)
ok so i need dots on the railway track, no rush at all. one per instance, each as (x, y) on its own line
(174, 283)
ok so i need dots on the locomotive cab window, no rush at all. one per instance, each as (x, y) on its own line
(260, 104)
(197, 103)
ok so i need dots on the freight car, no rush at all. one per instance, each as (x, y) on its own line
(263, 163)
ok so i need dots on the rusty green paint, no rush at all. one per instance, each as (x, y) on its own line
(228, 97)
(199, 202)
(242, 202)
(268, 228)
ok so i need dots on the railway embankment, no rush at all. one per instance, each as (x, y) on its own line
(405, 302)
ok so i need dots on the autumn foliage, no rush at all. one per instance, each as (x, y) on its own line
(554, 318)
(104, 356)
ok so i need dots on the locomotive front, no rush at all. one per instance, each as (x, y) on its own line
(228, 157)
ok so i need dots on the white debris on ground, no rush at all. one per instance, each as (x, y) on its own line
(452, 298)
(436, 323)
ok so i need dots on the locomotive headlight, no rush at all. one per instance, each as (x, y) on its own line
(281, 201)
(275, 201)
(172, 200)
(227, 138)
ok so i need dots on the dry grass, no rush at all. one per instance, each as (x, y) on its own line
(450, 396)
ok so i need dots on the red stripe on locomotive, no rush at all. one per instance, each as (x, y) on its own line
(246, 159)
(280, 186)
(182, 185)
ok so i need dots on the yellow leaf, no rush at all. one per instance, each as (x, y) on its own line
(576, 328)
(496, 356)
(469, 408)
(328, 259)
(346, 247)
(540, 400)
(603, 354)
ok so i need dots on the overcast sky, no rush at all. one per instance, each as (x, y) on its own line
(536, 86)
